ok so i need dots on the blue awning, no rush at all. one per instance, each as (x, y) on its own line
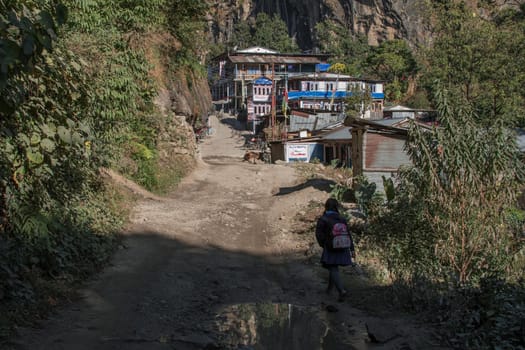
(294, 95)
(322, 67)
(262, 81)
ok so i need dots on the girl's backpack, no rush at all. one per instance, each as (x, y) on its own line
(339, 238)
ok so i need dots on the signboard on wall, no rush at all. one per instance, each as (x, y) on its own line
(297, 153)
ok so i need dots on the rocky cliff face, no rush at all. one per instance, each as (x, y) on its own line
(377, 19)
(183, 99)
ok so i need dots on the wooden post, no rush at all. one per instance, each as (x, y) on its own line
(273, 120)
(357, 150)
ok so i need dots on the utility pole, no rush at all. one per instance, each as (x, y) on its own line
(242, 90)
(273, 121)
(285, 99)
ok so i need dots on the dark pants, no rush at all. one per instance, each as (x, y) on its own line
(334, 280)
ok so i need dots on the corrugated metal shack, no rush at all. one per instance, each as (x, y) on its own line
(327, 145)
(378, 148)
(311, 120)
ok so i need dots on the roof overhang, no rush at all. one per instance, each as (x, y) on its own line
(277, 59)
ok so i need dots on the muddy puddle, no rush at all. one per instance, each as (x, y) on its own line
(270, 326)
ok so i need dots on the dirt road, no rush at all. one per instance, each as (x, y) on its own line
(215, 266)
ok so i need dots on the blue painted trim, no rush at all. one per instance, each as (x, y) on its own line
(295, 95)
(322, 67)
(262, 81)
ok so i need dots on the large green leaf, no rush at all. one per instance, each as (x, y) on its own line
(8, 148)
(28, 45)
(13, 18)
(35, 139)
(46, 20)
(34, 157)
(10, 50)
(62, 14)
(44, 40)
(77, 138)
(64, 134)
(49, 130)
(48, 145)
(26, 24)
(24, 139)
(85, 128)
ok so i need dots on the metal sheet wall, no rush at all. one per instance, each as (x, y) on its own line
(384, 152)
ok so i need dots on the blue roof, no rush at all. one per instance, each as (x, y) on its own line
(322, 67)
(294, 95)
(262, 81)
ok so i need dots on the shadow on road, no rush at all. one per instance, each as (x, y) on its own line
(162, 293)
(233, 123)
(319, 184)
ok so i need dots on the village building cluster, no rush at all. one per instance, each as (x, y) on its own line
(299, 104)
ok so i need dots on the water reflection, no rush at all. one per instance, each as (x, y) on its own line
(274, 327)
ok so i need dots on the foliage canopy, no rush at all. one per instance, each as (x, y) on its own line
(481, 60)
(76, 94)
(266, 31)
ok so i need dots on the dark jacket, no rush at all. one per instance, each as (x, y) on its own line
(322, 232)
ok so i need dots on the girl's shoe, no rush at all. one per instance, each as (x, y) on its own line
(342, 295)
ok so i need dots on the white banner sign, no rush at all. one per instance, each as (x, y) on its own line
(297, 153)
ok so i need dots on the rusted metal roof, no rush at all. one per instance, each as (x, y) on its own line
(279, 59)
(383, 125)
(341, 133)
(384, 152)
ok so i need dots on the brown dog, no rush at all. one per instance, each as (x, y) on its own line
(252, 156)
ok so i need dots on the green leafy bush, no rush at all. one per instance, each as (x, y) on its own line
(76, 94)
(367, 198)
(450, 235)
(486, 317)
(338, 191)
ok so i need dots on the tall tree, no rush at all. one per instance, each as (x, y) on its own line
(343, 47)
(468, 177)
(242, 37)
(481, 60)
(393, 61)
(266, 31)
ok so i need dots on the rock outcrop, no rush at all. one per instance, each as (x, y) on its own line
(378, 20)
(183, 100)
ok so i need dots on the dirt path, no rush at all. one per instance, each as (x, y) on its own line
(214, 266)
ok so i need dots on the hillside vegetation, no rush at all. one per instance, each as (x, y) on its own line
(448, 236)
(79, 91)
(91, 84)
